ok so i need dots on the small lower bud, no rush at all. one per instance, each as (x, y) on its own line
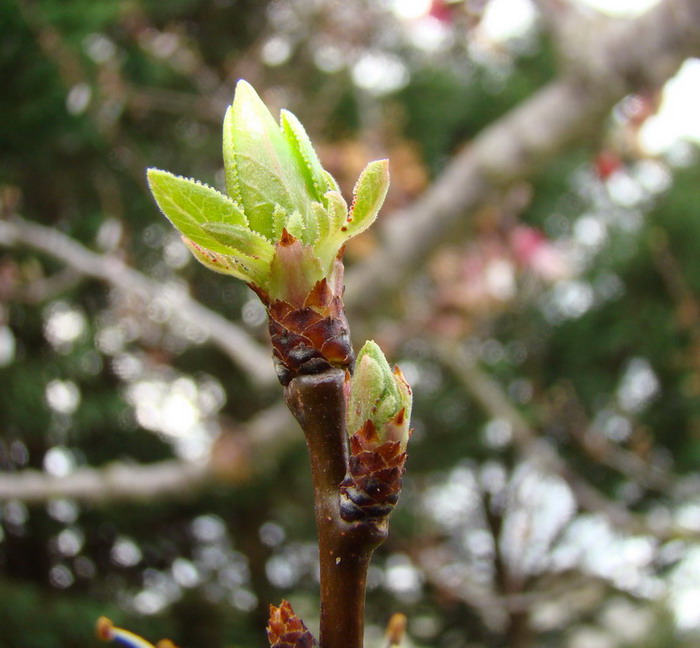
(373, 483)
(287, 630)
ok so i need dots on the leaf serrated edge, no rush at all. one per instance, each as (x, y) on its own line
(233, 186)
(263, 248)
(300, 143)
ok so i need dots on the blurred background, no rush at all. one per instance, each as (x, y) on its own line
(535, 273)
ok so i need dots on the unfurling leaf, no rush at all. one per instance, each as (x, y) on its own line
(380, 396)
(261, 169)
(369, 194)
(314, 174)
(189, 204)
(241, 239)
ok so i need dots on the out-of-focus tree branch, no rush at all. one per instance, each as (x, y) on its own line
(489, 395)
(236, 343)
(630, 56)
(115, 481)
(234, 458)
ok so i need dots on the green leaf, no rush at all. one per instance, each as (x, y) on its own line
(369, 193)
(233, 186)
(310, 234)
(279, 222)
(307, 158)
(380, 395)
(217, 262)
(335, 219)
(323, 221)
(241, 239)
(337, 209)
(295, 225)
(330, 182)
(189, 204)
(238, 265)
(261, 167)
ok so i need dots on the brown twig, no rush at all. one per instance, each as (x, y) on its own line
(318, 403)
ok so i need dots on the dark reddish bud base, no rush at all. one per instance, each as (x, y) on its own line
(310, 339)
(287, 630)
(373, 483)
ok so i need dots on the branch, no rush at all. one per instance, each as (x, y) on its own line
(115, 481)
(647, 474)
(234, 341)
(493, 401)
(252, 449)
(635, 55)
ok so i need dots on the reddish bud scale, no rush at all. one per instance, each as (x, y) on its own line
(287, 630)
(310, 339)
(375, 471)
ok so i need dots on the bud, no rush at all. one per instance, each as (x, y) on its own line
(281, 228)
(287, 630)
(379, 396)
(378, 418)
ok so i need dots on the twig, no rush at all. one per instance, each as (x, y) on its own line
(345, 549)
(235, 342)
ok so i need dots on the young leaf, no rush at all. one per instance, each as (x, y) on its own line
(367, 387)
(306, 156)
(279, 222)
(243, 267)
(335, 219)
(188, 204)
(322, 220)
(369, 193)
(217, 262)
(337, 209)
(295, 225)
(311, 227)
(233, 187)
(241, 239)
(330, 182)
(260, 165)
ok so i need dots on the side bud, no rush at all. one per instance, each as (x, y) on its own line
(287, 630)
(378, 419)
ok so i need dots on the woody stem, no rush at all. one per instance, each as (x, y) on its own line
(318, 403)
